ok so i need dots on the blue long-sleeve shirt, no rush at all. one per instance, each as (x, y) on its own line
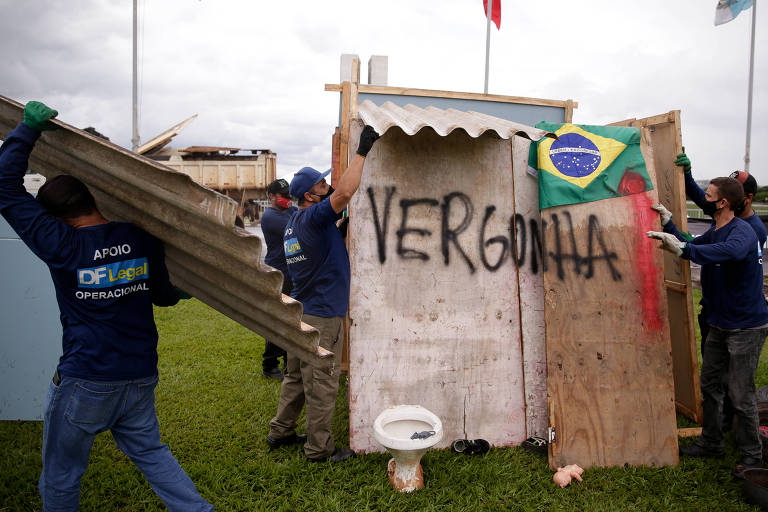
(273, 223)
(731, 274)
(693, 191)
(106, 277)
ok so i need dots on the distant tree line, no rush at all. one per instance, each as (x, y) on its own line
(761, 196)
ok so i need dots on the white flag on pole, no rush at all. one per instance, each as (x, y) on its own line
(728, 9)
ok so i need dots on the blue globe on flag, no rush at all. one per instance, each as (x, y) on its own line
(575, 155)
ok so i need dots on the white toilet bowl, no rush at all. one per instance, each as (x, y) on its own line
(393, 429)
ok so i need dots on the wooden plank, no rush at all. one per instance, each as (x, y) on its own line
(678, 287)
(689, 432)
(346, 100)
(609, 367)
(664, 131)
(434, 303)
(344, 135)
(668, 117)
(383, 89)
(354, 88)
(569, 111)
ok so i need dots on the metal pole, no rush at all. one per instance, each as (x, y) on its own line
(489, 8)
(751, 80)
(135, 138)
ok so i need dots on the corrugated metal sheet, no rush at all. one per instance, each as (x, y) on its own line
(411, 119)
(164, 138)
(206, 254)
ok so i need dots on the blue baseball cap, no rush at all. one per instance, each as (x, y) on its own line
(305, 179)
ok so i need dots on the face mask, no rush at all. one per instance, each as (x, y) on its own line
(327, 194)
(709, 208)
(283, 202)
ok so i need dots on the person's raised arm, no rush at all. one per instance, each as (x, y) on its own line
(350, 180)
(692, 189)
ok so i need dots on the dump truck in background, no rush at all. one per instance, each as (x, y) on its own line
(242, 174)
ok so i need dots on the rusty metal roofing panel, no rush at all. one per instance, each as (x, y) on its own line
(164, 138)
(411, 119)
(206, 254)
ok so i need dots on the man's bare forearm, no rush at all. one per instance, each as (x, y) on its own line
(348, 184)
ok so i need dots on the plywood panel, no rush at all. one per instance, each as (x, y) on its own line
(434, 303)
(663, 131)
(531, 285)
(609, 363)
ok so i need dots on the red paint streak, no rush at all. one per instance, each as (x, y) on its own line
(647, 268)
(631, 183)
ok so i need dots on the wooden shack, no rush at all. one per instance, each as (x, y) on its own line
(462, 289)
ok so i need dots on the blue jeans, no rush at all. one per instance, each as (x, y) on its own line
(76, 410)
(730, 363)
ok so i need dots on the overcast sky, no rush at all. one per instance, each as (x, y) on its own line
(254, 71)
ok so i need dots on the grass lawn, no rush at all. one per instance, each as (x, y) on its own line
(214, 408)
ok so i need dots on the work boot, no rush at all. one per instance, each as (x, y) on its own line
(273, 373)
(696, 450)
(294, 438)
(338, 455)
(743, 465)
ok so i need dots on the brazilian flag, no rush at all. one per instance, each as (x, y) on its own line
(588, 163)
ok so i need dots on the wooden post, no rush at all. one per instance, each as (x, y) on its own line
(348, 112)
(569, 111)
(353, 88)
(346, 89)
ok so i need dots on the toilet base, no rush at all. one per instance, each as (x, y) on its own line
(405, 479)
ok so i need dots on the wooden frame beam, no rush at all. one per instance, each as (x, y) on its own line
(404, 91)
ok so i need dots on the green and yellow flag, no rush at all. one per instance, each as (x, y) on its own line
(587, 163)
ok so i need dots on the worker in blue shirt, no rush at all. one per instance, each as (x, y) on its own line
(107, 276)
(273, 223)
(318, 264)
(745, 212)
(732, 282)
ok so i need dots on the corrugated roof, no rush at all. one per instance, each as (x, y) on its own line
(164, 138)
(411, 119)
(206, 254)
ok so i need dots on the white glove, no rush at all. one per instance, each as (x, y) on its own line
(664, 214)
(668, 242)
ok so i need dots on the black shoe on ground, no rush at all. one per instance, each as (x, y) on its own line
(744, 464)
(338, 455)
(274, 443)
(696, 450)
(273, 373)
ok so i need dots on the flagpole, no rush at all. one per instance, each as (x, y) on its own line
(135, 138)
(751, 80)
(489, 4)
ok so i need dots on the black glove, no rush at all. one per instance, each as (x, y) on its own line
(367, 138)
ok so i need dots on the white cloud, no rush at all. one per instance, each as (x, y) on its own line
(254, 71)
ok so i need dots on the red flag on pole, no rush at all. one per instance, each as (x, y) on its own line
(495, 12)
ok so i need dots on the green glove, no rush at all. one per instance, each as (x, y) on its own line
(683, 161)
(38, 116)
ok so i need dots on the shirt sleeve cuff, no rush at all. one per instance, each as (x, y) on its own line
(25, 133)
(686, 251)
